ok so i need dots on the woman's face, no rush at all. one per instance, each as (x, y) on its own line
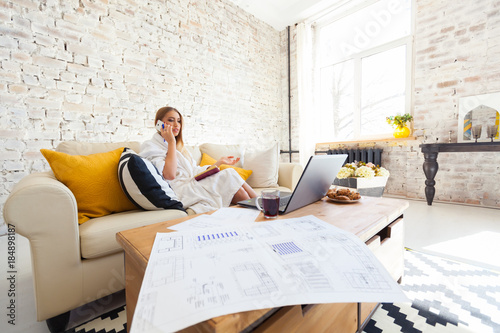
(173, 119)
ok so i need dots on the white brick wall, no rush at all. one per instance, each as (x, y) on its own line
(457, 54)
(98, 71)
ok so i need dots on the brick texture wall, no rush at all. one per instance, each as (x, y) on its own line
(98, 70)
(457, 54)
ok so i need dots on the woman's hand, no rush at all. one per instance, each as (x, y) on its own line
(167, 134)
(170, 166)
(229, 160)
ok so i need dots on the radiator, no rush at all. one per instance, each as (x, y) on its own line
(373, 155)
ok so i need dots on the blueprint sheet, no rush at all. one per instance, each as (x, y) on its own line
(195, 275)
(221, 217)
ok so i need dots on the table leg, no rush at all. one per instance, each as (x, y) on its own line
(134, 275)
(430, 169)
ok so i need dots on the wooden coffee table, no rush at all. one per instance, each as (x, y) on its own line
(376, 221)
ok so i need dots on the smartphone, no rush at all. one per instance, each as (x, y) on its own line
(159, 125)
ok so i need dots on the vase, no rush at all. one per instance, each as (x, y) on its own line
(401, 132)
(373, 187)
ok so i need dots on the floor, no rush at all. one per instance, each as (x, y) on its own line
(463, 233)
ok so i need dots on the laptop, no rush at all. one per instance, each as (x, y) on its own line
(316, 179)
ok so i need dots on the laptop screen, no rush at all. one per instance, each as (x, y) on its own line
(316, 179)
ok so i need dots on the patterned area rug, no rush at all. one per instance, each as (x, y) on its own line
(114, 321)
(447, 296)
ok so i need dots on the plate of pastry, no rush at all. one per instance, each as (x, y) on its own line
(343, 195)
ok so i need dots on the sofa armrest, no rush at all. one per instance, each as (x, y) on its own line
(41, 206)
(289, 175)
(44, 210)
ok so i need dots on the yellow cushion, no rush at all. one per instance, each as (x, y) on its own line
(207, 160)
(93, 179)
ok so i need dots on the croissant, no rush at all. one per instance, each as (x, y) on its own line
(343, 194)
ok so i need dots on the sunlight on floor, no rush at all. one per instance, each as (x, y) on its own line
(469, 234)
(483, 247)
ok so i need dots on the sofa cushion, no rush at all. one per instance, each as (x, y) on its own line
(143, 184)
(217, 151)
(98, 236)
(265, 166)
(195, 153)
(87, 148)
(93, 179)
(208, 160)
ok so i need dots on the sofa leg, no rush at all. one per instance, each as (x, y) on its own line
(58, 323)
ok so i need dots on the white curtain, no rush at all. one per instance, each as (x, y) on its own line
(307, 116)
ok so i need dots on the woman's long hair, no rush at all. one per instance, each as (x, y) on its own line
(160, 114)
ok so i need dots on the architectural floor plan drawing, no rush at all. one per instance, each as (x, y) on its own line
(195, 275)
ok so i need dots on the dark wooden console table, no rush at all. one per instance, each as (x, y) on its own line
(431, 151)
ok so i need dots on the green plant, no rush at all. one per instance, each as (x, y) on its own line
(399, 121)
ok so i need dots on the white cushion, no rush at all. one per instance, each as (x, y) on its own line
(87, 148)
(217, 151)
(265, 166)
(195, 153)
(143, 184)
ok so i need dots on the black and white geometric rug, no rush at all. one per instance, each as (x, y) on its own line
(114, 321)
(447, 296)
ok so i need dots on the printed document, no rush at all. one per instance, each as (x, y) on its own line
(195, 275)
(221, 217)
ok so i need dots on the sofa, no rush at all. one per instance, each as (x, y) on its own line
(74, 264)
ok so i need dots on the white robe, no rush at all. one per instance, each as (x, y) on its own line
(202, 196)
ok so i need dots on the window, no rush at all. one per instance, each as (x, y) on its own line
(363, 68)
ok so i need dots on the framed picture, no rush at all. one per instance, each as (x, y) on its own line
(479, 118)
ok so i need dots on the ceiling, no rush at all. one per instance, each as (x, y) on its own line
(282, 13)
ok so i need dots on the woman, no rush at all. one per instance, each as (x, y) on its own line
(166, 151)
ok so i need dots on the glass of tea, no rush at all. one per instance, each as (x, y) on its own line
(270, 203)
